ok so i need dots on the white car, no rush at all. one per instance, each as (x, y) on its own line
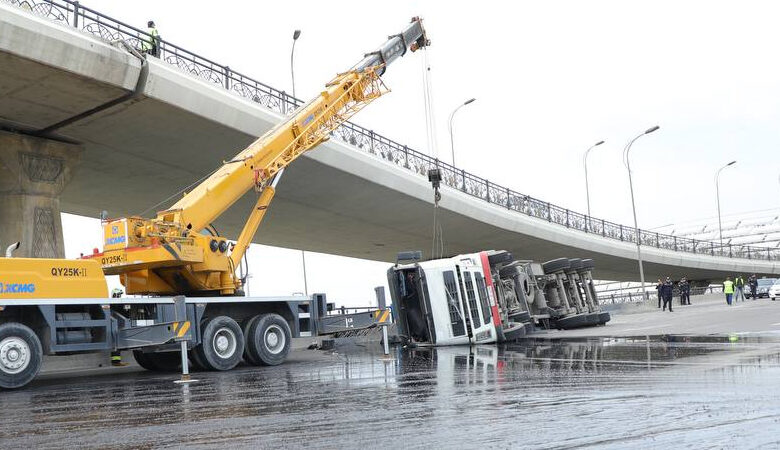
(774, 290)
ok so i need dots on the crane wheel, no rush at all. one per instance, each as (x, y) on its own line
(222, 344)
(269, 339)
(197, 362)
(158, 362)
(21, 355)
(249, 357)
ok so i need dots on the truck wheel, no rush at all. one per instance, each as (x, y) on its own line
(20, 355)
(500, 257)
(249, 357)
(222, 344)
(269, 339)
(556, 265)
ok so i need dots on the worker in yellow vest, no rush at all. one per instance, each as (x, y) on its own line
(739, 284)
(728, 289)
(151, 44)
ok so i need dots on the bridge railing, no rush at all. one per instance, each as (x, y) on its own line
(107, 28)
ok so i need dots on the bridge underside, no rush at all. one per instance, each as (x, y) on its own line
(336, 200)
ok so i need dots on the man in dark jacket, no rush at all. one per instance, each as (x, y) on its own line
(685, 291)
(666, 293)
(658, 289)
(753, 282)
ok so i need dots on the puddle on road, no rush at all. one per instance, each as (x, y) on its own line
(711, 391)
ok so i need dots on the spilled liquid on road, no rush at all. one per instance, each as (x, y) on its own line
(662, 391)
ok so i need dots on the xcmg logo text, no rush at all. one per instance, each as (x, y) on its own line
(17, 288)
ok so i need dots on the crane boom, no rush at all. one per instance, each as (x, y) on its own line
(172, 254)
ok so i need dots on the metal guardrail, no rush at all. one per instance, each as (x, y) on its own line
(88, 20)
(631, 297)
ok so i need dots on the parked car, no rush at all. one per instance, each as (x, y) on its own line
(774, 290)
(763, 287)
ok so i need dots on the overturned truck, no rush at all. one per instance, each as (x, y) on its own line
(489, 296)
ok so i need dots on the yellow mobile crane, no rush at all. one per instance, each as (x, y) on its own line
(170, 254)
(58, 306)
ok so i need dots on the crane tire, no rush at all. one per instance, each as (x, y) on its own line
(249, 357)
(269, 339)
(158, 362)
(222, 344)
(197, 363)
(21, 355)
(144, 361)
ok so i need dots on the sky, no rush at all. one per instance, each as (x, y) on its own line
(550, 79)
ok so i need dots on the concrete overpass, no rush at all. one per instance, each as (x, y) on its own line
(77, 139)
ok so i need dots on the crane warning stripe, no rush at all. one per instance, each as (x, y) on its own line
(383, 316)
(185, 326)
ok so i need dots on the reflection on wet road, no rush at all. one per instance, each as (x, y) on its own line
(666, 392)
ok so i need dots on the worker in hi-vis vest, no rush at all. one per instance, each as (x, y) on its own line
(728, 289)
(151, 44)
(739, 285)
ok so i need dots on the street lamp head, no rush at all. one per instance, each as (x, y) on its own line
(650, 130)
(731, 163)
(296, 35)
(468, 101)
(598, 143)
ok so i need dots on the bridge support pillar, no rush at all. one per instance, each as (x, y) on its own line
(33, 173)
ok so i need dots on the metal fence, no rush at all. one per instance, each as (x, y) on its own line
(630, 297)
(90, 21)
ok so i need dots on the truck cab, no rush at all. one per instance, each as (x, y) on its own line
(443, 302)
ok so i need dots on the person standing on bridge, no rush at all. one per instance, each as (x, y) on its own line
(739, 285)
(666, 292)
(151, 45)
(728, 289)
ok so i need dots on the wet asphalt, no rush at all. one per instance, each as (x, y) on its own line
(643, 392)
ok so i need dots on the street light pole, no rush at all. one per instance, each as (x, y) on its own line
(717, 196)
(585, 163)
(627, 162)
(452, 141)
(296, 35)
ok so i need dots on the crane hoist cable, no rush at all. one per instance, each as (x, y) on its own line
(430, 117)
(434, 173)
